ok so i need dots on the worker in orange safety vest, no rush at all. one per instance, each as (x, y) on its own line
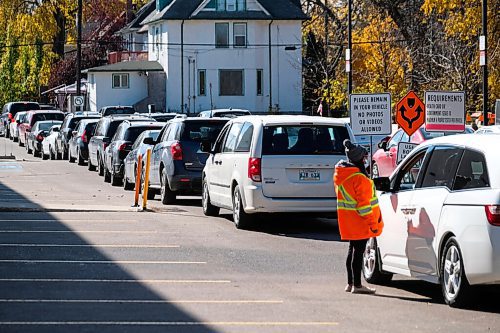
(358, 212)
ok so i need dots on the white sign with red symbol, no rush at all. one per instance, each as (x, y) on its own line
(404, 148)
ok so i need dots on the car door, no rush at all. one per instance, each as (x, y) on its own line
(156, 155)
(386, 161)
(212, 167)
(396, 206)
(227, 163)
(426, 206)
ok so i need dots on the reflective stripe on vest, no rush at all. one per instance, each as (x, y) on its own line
(348, 203)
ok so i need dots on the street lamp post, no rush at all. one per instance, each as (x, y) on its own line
(349, 48)
(78, 47)
(483, 49)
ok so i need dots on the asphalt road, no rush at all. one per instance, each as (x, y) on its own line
(74, 257)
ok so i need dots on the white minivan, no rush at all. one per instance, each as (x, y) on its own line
(273, 164)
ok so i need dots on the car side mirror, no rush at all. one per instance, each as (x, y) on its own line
(382, 145)
(149, 141)
(74, 133)
(106, 140)
(55, 129)
(382, 184)
(206, 146)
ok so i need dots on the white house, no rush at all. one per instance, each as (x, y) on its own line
(136, 83)
(134, 34)
(228, 53)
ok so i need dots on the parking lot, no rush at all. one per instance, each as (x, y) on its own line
(76, 257)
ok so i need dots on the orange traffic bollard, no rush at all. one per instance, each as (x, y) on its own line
(138, 181)
(146, 181)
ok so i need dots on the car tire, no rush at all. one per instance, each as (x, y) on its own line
(90, 166)
(52, 155)
(241, 219)
(28, 150)
(127, 186)
(100, 166)
(208, 208)
(15, 139)
(44, 156)
(151, 193)
(454, 284)
(80, 159)
(65, 154)
(375, 170)
(115, 181)
(70, 158)
(168, 196)
(372, 270)
(107, 175)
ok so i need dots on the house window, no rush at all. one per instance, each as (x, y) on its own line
(91, 78)
(240, 35)
(202, 82)
(227, 5)
(260, 81)
(221, 35)
(231, 82)
(120, 81)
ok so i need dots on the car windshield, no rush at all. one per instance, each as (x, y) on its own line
(45, 126)
(133, 132)
(48, 116)
(304, 140)
(124, 110)
(163, 118)
(201, 130)
(16, 107)
(231, 114)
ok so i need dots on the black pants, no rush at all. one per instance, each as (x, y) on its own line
(354, 262)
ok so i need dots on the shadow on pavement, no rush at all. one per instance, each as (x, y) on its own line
(58, 289)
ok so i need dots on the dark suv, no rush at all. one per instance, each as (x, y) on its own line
(177, 161)
(116, 110)
(121, 145)
(10, 110)
(104, 131)
(69, 124)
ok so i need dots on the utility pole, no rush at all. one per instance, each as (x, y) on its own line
(349, 48)
(78, 48)
(327, 76)
(483, 60)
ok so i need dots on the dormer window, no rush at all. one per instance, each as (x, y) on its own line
(231, 5)
(227, 5)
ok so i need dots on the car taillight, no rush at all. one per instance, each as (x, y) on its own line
(84, 136)
(254, 169)
(493, 214)
(39, 137)
(176, 150)
(124, 146)
(11, 117)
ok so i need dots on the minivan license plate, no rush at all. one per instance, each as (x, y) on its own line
(309, 174)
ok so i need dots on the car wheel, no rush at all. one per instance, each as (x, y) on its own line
(168, 196)
(81, 160)
(65, 153)
(454, 284)
(90, 166)
(375, 171)
(28, 149)
(127, 186)
(51, 154)
(241, 219)
(107, 175)
(15, 139)
(44, 156)
(115, 180)
(208, 208)
(20, 143)
(70, 158)
(371, 264)
(100, 167)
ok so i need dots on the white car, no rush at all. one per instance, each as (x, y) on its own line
(49, 143)
(441, 210)
(273, 164)
(492, 129)
(18, 119)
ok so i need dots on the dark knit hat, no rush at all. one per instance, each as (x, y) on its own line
(354, 152)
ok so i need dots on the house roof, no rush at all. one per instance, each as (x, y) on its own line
(183, 10)
(128, 66)
(141, 14)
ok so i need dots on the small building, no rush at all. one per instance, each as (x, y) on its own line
(136, 83)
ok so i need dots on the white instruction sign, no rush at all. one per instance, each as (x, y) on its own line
(445, 111)
(404, 148)
(370, 114)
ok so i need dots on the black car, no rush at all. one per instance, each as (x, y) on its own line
(116, 110)
(78, 146)
(10, 110)
(37, 134)
(121, 145)
(104, 131)
(66, 132)
(177, 161)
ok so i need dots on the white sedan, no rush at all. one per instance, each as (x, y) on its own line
(492, 129)
(49, 143)
(441, 209)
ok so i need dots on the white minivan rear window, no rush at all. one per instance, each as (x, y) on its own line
(304, 140)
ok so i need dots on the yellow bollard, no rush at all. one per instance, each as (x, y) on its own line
(138, 181)
(146, 180)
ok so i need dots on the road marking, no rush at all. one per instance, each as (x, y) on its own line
(147, 301)
(103, 262)
(115, 281)
(84, 231)
(90, 245)
(64, 220)
(177, 323)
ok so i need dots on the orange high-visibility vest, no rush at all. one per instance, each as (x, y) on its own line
(358, 211)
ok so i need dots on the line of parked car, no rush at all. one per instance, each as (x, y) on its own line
(440, 205)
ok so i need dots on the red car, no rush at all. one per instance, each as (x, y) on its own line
(32, 117)
(384, 159)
